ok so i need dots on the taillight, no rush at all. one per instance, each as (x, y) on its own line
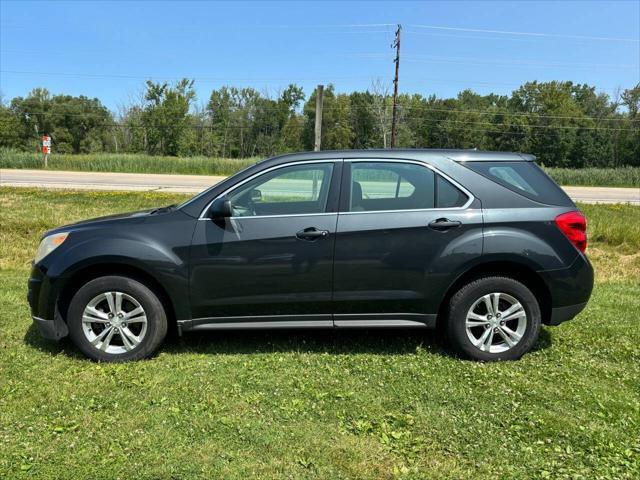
(574, 226)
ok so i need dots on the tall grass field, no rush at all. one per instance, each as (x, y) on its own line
(126, 163)
(387, 404)
(141, 163)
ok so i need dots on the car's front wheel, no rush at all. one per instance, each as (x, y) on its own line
(116, 319)
(493, 318)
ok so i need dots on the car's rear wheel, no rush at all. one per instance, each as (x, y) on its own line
(116, 319)
(493, 318)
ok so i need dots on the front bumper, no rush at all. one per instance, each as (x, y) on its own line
(51, 329)
(42, 295)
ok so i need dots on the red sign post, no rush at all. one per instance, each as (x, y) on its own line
(46, 148)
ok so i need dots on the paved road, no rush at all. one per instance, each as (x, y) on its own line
(106, 181)
(197, 183)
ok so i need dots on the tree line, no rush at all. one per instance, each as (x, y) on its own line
(564, 124)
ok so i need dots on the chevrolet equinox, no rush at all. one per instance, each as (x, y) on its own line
(481, 244)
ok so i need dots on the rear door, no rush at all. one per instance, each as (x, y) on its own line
(403, 232)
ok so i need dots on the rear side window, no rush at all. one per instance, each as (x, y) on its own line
(380, 186)
(525, 178)
(384, 186)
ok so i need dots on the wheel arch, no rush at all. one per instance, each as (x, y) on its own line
(97, 270)
(518, 271)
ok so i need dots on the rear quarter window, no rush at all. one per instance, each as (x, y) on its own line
(525, 178)
(447, 195)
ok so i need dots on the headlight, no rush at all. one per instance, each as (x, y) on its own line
(49, 244)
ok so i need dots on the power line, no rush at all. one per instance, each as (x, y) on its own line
(483, 37)
(424, 119)
(518, 114)
(365, 26)
(470, 37)
(402, 107)
(149, 77)
(419, 58)
(525, 126)
(529, 34)
(265, 26)
(508, 61)
(282, 80)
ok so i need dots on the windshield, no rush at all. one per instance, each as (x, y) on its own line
(204, 192)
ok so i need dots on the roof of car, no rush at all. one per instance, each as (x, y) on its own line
(414, 154)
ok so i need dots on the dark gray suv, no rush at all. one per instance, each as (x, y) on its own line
(481, 244)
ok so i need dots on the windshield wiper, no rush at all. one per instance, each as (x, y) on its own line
(166, 209)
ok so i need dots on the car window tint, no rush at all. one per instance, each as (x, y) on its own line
(285, 191)
(390, 186)
(525, 178)
(448, 195)
(509, 175)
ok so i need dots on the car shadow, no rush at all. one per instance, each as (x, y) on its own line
(387, 341)
(544, 340)
(33, 338)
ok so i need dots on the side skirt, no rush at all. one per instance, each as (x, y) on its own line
(389, 320)
(386, 320)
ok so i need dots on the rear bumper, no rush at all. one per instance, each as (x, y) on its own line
(562, 314)
(570, 290)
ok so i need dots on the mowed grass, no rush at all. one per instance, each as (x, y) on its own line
(385, 404)
(141, 163)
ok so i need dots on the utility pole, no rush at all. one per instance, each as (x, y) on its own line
(394, 120)
(318, 125)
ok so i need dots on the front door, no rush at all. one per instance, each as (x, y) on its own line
(273, 260)
(403, 231)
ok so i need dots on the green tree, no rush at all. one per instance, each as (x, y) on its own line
(166, 116)
(80, 123)
(337, 131)
(76, 124)
(629, 136)
(554, 119)
(10, 128)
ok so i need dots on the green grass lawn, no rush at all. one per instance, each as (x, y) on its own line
(377, 404)
(141, 163)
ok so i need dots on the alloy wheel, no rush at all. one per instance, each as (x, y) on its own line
(496, 322)
(114, 322)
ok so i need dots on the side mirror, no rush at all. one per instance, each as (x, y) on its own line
(256, 195)
(220, 208)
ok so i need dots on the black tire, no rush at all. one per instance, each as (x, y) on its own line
(464, 299)
(156, 319)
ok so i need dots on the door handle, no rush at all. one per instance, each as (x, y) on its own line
(442, 224)
(311, 233)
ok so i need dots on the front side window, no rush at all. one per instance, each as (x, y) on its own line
(294, 190)
(378, 186)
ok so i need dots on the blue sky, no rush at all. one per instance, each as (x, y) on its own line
(108, 49)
